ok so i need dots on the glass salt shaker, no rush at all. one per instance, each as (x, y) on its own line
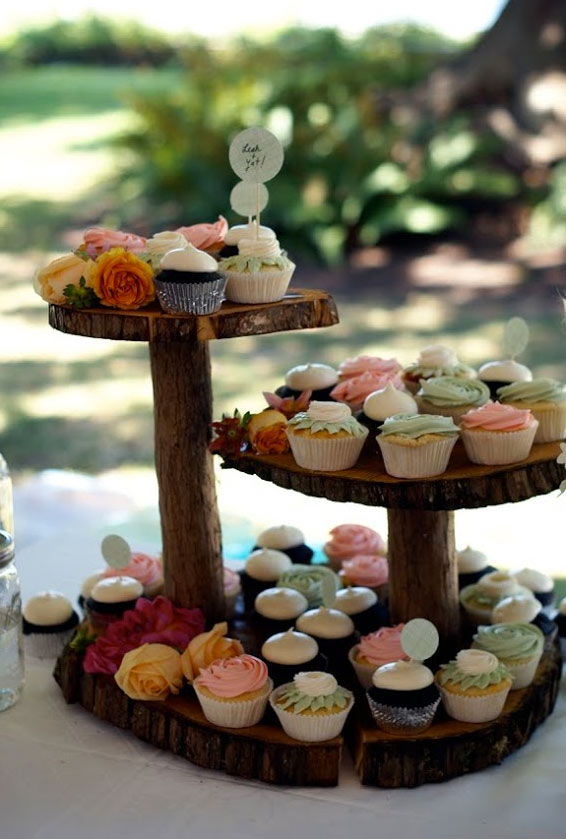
(11, 641)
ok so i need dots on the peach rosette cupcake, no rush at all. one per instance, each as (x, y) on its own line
(326, 438)
(474, 686)
(545, 399)
(497, 434)
(233, 692)
(207, 647)
(352, 367)
(417, 445)
(349, 540)
(369, 571)
(313, 707)
(355, 390)
(375, 650)
(148, 570)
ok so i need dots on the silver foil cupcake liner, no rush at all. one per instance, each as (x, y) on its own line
(402, 720)
(191, 298)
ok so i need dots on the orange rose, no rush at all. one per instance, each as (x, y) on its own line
(151, 671)
(272, 440)
(208, 647)
(123, 280)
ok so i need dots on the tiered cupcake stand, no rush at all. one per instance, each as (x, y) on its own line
(423, 572)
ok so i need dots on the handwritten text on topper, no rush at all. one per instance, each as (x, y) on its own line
(256, 155)
(248, 199)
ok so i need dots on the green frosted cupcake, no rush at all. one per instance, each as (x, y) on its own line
(417, 445)
(517, 645)
(545, 399)
(450, 396)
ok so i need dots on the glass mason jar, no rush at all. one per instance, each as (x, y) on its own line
(11, 641)
(6, 508)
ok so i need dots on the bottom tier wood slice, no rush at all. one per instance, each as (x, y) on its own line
(263, 752)
(449, 748)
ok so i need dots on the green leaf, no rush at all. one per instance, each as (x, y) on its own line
(81, 296)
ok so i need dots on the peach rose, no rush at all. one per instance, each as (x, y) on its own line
(122, 280)
(50, 281)
(272, 440)
(206, 648)
(151, 671)
(97, 240)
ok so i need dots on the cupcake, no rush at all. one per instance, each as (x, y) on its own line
(206, 648)
(417, 445)
(148, 570)
(334, 632)
(472, 565)
(349, 540)
(518, 646)
(318, 378)
(474, 686)
(497, 374)
(545, 399)
(517, 608)
(109, 599)
(326, 438)
(204, 236)
(363, 606)
(49, 622)
(233, 692)
(288, 653)
(353, 367)
(276, 609)
(480, 598)
(540, 584)
(313, 707)
(497, 434)
(287, 539)
(260, 273)
(375, 650)
(232, 589)
(316, 582)
(243, 231)
(354, 391)
(262, 569)
(435, 361)
(188, 282)
(384, 403)
(370, 571)
(162, 243)
(450, 396)
(403, 697)
(87, 586)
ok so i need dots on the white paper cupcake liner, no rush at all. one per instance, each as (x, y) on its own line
(263, 287)
(234, 713)
(47, 644)
(551, 424)
(473, 708)
(191, 298)
(416, 461)
(364, 672)
(311, 728)
(326, 454)
(497, 448)
(522, 673)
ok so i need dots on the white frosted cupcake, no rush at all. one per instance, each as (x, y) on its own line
(403, 697)
(260, 273)
(334, 632)
(262, 569)
(384, 403)
(233, 692)
(288, 539)
(517, 608)
(49, 622)
(545, 399)
(288, 653)
(518, 646)
(110, 598)
(313, 707)
(479, 599)
(497, 434)
(188, 281)
(314, 376)
(417, 445)
(474, 686)
(541, 585)
(327, 438)
(362, 605)
(497, 374)
(472, 565)
(450, 396)
(276, 609)
(435, 361)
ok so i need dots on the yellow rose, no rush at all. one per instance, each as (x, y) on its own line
(50, 281)
(206, 648)
(122, 280)
(151, 671)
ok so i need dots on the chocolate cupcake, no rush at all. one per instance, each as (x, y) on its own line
(362, 605)
(277, 609)
(188, 282)
(380, 405)
(49, 622)
(496, 374)
(335, 634)
(403, 697)
(318, 378)
(289, 540)
(472, 565)
(540, 584)
(110, 598)
(262, 569)
(291, 652)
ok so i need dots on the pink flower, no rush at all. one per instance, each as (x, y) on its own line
(289, 405)
(98, 240)
(151, 622)
(206, 237)
(146, 569)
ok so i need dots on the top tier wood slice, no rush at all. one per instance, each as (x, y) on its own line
(299, 309)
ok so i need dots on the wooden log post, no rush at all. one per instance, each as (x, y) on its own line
(423, 575)
(192, 545)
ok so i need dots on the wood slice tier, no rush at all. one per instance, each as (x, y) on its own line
(263, 752)
(299, 309)
(463, 485)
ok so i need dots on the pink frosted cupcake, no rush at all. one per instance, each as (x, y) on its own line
(232, 589)
(233, 692)
(497, 434)
(376, 649)
(353, 367)
(148, 570)
(349, 540)
(354, 391)
(364, 570)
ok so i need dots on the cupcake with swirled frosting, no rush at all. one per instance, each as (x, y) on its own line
(479, 599)
(497, 434)
(288, 539)
(313, 707)
(233, 692)
(403, 697)
(188, 282)
(376, 649)
(545, 399)
(326, 438)
(362, 604)
(291, 652)
(434, 361)
(260, 273)
(474, 686)
(349, 540)
(319, 378)
(517, 645)
(417, 445)
(370, 571)
(450, 396)
(352, 367)
(316, 582)
(355, 390)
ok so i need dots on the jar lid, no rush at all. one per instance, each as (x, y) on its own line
(6, 548)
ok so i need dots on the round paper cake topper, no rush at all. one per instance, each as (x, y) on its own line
(116, 551)
(256, 155)
(248, 199)
(419, 639)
